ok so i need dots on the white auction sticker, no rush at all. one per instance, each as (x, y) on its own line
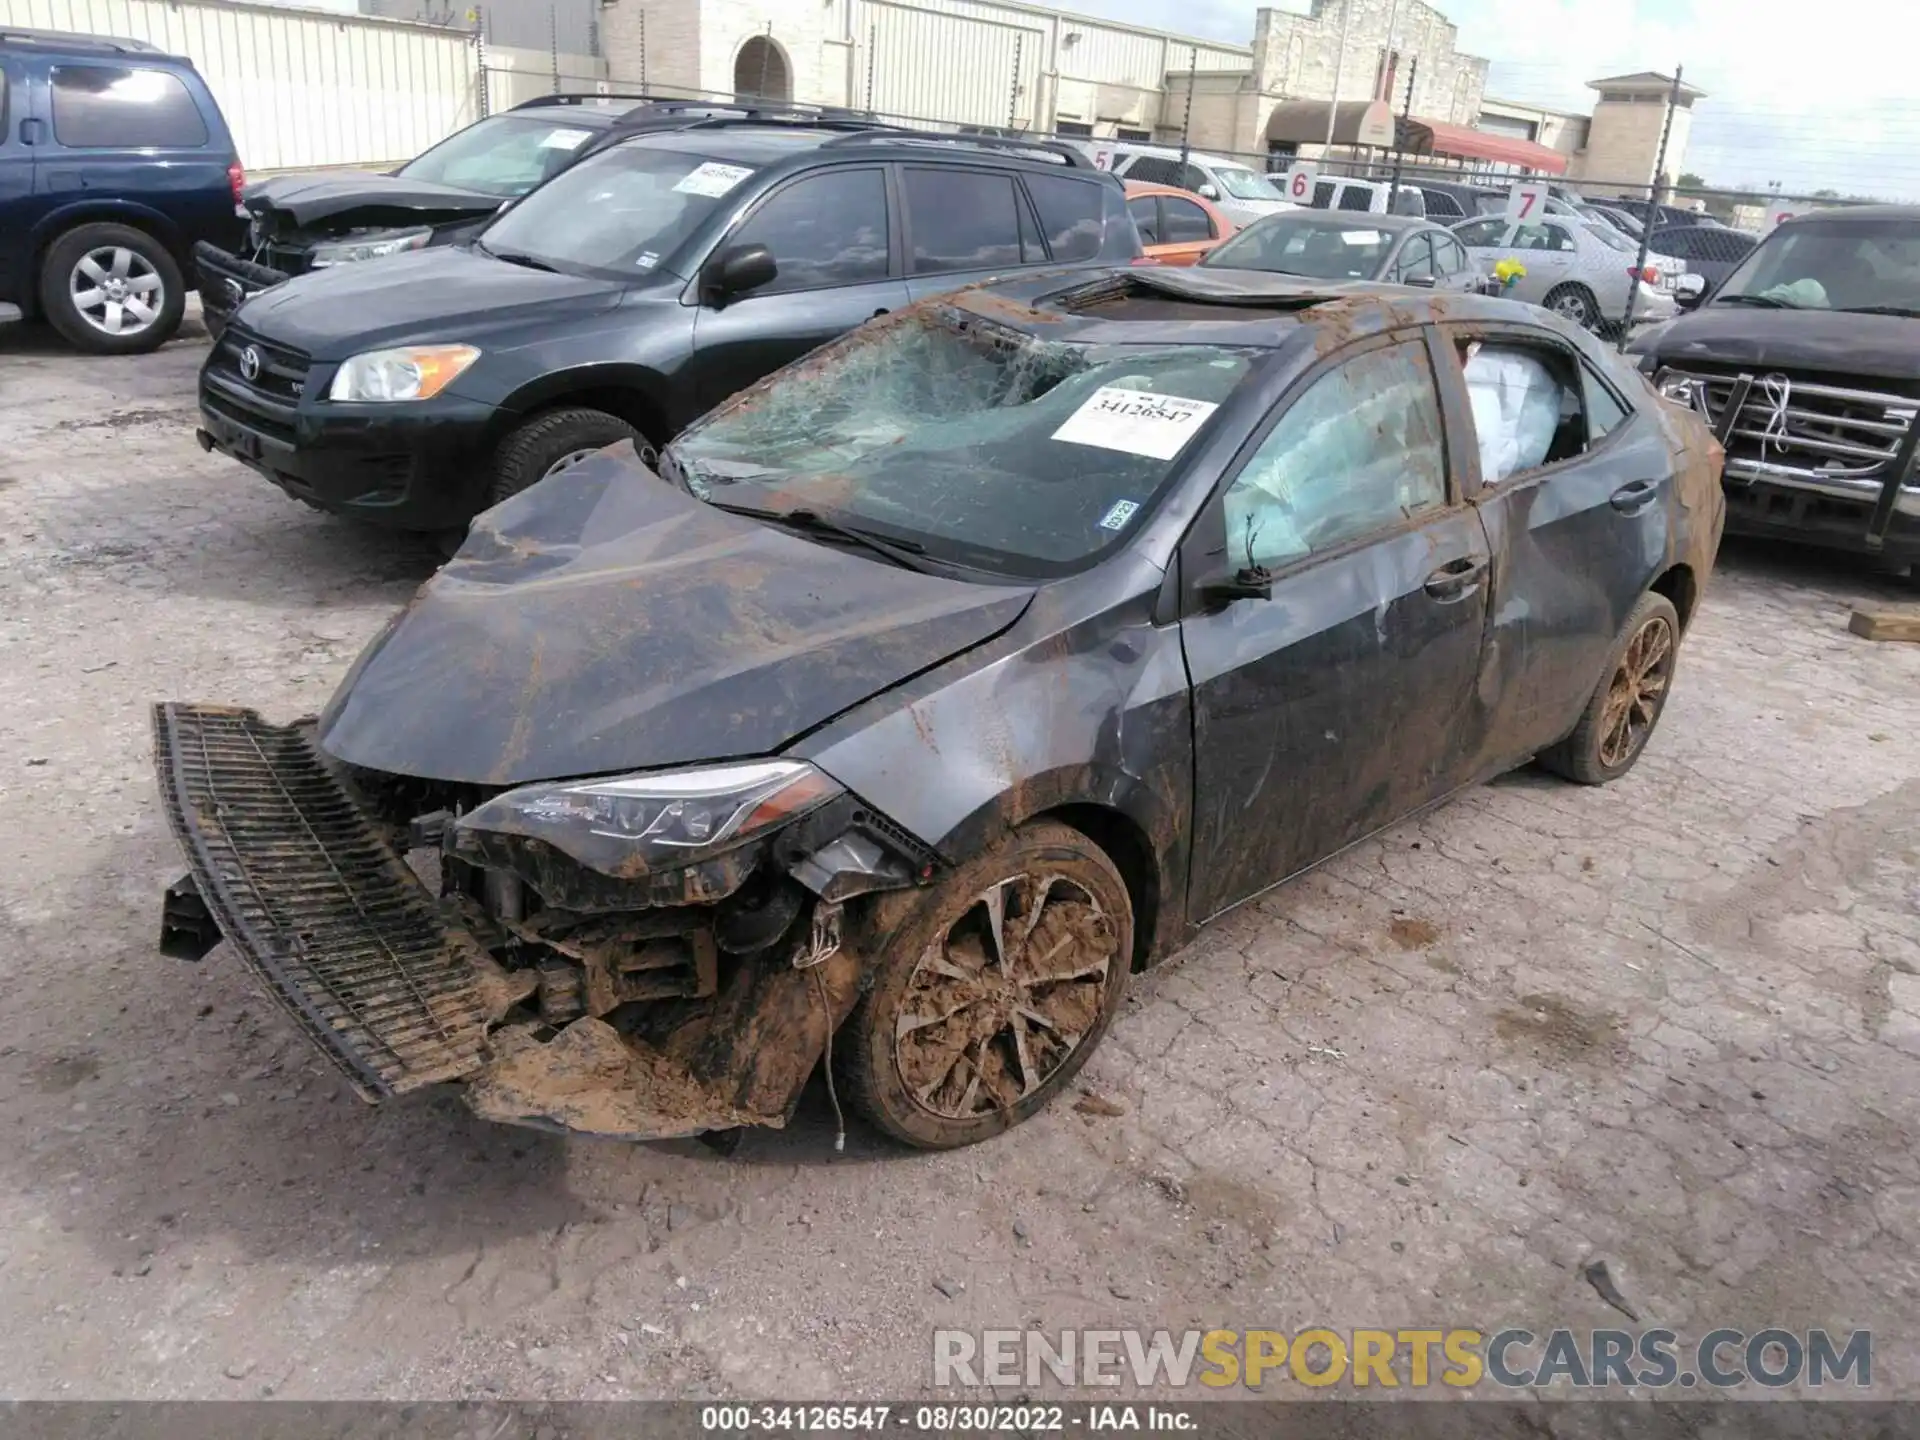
(1117, 517)
(712, 178)
(1137, 422)
(563, 139)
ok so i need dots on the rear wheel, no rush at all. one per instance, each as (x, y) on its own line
(991, 995)
(553, 442)
(112, 290)
(1627, 705)
(1575, 303)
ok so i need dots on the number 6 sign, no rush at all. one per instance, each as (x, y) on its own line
(1300, 178)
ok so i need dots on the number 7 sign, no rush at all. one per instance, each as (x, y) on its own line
(1526, 202)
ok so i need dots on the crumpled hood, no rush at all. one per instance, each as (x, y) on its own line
(444, 294)
(606, 621)
(386, 199)
(1882, 345)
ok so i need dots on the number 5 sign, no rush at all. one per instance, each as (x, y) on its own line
(1526, 202)
(1300, 178)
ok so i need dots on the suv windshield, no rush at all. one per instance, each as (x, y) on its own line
(617, 214)
(506, 156)
(1243, 184)
(1839, 265)
(1306, 243)
(988, 447)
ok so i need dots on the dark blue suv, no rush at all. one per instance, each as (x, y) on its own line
(114, 162)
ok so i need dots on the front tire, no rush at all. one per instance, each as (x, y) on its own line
(992, 993)
(112, 290)
(1628, 702)
(550, 443)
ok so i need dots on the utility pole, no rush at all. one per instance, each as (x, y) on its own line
(1339, 68)
(1653, 201)
(1400, 136)
(1186, 121)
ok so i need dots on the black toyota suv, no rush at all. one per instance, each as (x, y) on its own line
(623, 298)
(1806, 361)
(297, 223)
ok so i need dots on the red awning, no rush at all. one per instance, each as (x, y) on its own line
(1464, 143)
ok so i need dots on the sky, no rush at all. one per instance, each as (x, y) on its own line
(1814, 95)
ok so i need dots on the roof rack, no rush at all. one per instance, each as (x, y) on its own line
(588, 97)
(64, 39)
(947, 139)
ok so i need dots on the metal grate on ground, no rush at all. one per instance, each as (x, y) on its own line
(316, 901)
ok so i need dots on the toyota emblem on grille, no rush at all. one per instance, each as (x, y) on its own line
(250, 363)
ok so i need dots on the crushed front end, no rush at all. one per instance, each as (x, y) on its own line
(644, 957)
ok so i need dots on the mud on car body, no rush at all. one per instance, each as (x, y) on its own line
(937, 683)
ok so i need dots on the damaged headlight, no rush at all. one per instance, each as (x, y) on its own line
(418, 372)
(637, 824)
(369, 247)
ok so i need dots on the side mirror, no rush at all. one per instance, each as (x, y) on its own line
(1690, 291)
(1207, 192)
(1252, 582)
(734, 271)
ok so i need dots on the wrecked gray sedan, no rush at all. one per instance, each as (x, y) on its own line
(937, 684)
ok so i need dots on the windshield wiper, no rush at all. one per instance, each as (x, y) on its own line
(900, 552)
(1906, 310)
(517, 257)
(1767, 302)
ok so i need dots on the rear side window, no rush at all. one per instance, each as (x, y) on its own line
(1146, 215)
(1605, 413)
(1448, 257)
(961, 220)
(1443, 206)
(1483, 234)
(1185, 221)
(1072, 215)
(1323, 194)
(1154, 170)
(97, 106)
(1356, 197)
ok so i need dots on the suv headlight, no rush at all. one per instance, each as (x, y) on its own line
(662, 820)
(368, 247)
(415, 372)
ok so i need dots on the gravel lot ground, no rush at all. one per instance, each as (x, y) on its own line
(1675, 1023)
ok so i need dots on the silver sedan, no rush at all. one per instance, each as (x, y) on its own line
(1579, 269)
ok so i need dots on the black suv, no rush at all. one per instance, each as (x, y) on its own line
(631, 293)
(298, 223)
(1806, 361)
(114, 162)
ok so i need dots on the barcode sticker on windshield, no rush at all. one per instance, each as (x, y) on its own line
(712, 178)
(1117, 517)
(563, 139)
(1137, 422)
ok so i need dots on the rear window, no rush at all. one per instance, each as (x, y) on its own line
(1072, 215)
(100, 106)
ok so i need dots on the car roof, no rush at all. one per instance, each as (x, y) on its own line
(1859, 212)
(749, 143)
(1214, 306)
(75, 43)
(1358, 219)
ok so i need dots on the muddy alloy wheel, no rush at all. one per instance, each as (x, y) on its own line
(994, 994)
(1636, 692)
(1627, 704)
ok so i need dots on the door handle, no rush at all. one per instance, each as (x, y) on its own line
(1455, 578)
(1635, 497)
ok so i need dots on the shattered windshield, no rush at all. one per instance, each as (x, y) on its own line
(506, 155)
(1306, 243)
(617, 214)
(984, 446)
(1845, 265)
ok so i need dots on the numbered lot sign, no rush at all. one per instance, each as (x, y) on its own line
(1526, 202)
(1300, 178)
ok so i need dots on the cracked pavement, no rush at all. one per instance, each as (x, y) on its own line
(1674, 1022)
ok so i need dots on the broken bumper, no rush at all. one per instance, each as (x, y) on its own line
(227, 282)
(391, 986)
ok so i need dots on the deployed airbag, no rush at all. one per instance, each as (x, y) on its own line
(1516, 409)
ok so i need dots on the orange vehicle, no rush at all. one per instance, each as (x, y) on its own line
(1177, 227)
